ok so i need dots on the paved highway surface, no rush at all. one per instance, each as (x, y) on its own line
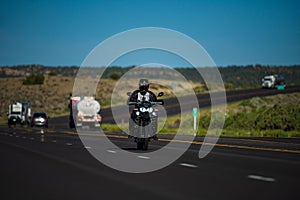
(56, 165)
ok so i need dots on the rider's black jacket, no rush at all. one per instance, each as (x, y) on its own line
(134, 96)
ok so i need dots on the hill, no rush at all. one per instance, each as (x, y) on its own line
(238, 76)
(52, 95)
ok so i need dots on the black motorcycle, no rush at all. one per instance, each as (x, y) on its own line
(143, 122)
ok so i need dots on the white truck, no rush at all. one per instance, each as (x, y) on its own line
(19, 113)
(273, 81)
(84, 113)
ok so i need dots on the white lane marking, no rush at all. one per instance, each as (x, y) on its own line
(188, 165)
(261, 178)
(32, 138)
(86, 147)
(24, 137)
(111, 151)
(42, 138)
(144, 157)
(17, 136)
(54, 141)
(68, 144)
(10, 135)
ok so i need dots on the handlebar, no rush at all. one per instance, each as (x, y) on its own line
(159, 102)
(130, 103)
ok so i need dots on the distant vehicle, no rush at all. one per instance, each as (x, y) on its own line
(84, 112)
(19, 113)
(39, 119)
(273, 81)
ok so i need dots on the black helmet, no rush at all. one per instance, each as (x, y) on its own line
(144, 84)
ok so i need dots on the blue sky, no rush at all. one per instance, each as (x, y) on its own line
(233, 32)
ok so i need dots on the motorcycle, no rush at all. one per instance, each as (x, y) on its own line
(143, 122)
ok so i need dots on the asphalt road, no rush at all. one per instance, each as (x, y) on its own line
(56, 165)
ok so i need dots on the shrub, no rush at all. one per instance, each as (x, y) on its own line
(34, 79)
(229, 86)
(52, 74)
(246, 102)
(197, 89)
(286, 118)
(115, 76)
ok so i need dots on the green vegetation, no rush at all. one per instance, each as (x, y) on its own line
(110, 128)
(233, 76)
(34, 79)
(275, 116)
(247, 76)
(3, 121)
(52, 74)
(105, 102)
(278, 117)
(115, 76)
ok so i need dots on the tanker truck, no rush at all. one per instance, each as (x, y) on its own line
(273, 81)
(84, 112)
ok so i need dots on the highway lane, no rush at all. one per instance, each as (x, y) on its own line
(173, 108)
(56, 165)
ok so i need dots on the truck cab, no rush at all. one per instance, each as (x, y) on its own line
(273, 81)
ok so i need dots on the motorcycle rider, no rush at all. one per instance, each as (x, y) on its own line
(142, 94)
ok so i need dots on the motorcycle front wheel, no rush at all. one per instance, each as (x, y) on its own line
(142, 144)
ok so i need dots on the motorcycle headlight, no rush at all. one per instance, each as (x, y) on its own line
(143, 109)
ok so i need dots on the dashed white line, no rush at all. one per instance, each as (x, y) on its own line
(32, 138)
(261, 178)
(17, 136)
(188, 165)
(24, 137)
(54, 141)
(144, 157)
(111, 151)
(69, 144)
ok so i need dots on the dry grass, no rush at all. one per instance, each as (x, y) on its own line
(52, 96)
